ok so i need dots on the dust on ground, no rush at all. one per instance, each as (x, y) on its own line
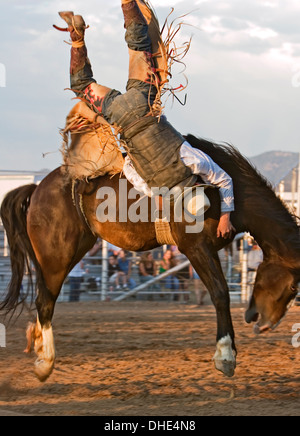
(147, 359)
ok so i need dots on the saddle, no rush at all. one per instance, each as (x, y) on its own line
(90, 146)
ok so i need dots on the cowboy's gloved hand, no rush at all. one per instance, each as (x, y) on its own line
(225, 228)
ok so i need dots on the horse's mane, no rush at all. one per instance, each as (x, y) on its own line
(250, 186)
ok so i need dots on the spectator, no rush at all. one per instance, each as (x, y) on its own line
(199, 293)
(113, 250)
(148, 270)
(183, 277)
(255, 258)
(168, 262)
(114, 273)
(75, 280)
(96, 252)
(126, 267)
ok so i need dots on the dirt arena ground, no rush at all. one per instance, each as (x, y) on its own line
(146, 359)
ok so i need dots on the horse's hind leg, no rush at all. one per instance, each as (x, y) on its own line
(44, 343)
(59, 240)
(53, 271)
(40, 333)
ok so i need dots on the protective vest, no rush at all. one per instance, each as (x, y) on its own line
(152, 143)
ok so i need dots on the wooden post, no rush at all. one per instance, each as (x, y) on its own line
(244, 284)
(104, 279)
(298, 196)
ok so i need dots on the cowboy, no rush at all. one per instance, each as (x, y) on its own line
(158, 156)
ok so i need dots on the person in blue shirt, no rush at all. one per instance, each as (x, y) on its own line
(125, 266)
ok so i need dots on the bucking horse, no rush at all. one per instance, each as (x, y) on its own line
(46, 231)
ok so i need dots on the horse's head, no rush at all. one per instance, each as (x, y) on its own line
(276, 286)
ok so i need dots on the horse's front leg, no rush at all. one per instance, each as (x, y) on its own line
(206, 262)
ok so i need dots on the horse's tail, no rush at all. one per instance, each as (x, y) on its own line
(14, 218)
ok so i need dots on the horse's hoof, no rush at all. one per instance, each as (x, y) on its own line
(225, 357)
(43, 369)
(226, 367)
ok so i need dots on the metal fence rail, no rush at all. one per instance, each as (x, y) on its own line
(95, 285)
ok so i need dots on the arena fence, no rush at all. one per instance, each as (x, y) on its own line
(95, 284)
(234, 262)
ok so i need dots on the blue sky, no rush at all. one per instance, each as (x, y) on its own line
(243, 71)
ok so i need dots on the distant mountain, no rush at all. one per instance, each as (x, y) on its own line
(276, 166)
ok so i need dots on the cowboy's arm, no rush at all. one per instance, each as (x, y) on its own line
(225, 228)
(200, 163)
(216, 176)
(210, 172)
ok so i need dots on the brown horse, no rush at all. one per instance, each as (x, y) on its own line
(43, 225)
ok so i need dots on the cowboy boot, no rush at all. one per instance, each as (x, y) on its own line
(82, 81)
(77, 27)
(159, 48)
(138, 41)
(147, 54)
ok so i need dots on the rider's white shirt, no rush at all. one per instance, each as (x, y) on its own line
(200, 164)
